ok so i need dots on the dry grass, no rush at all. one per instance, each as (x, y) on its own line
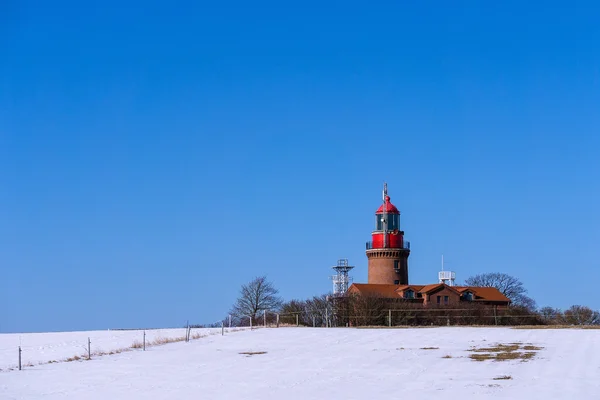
(481, 357)
(447, 356)
(532, 348)
(117, 351)
(164, 340)
(499, 348)
(557, 327)
(513, 355)
(252, 353)
(429, 348)
(528, 355)
(137, 344)
(395, 327)
(503, 378)
(504, 352)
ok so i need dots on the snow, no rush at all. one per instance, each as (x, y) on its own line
(314, 363)
(44, 347)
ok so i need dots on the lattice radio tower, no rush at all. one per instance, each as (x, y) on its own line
(341, 279)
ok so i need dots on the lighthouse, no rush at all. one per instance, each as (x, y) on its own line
(387, 251)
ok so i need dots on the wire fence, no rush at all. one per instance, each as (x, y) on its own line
(390, 318)
(28, 350)
(35, 349)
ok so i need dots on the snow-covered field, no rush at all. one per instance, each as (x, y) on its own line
(320, 363)
(45, 347)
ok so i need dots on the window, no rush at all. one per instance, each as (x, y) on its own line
(396, 282)
(409, 294)
(468, 296)
(393, 222)
(396, 264)
(379, 222)
(446, 300)
(439, 298)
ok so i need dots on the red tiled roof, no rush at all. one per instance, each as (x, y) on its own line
(485, 293)
(429, 288)
(370, 289)
(416, 288)
(393, 291)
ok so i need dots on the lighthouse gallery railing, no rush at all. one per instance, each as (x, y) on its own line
(405, 245)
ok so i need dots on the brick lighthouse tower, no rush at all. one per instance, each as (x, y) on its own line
(388, 252)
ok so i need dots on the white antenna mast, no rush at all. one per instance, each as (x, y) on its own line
(447, 277)
(384, 216)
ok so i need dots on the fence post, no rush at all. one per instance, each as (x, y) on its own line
(144, 342)
(89, 349)
(326, 318)
(278, 320)
(314, 323)
(251, 322)
(229, 320)
(297, 324)
(19, 358)
(222, 328)
(390, 318)
(265, 318)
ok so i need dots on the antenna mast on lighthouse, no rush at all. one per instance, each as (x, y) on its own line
(384, 216)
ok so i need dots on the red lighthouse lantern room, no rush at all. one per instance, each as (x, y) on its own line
(387, 233)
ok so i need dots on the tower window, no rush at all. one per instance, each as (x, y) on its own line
(396, 264)
(396, 282)
(393, 222)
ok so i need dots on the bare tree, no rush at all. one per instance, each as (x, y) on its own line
(290, 309)
(256, 296)
(366, 309)
(321, 309)
(552, 316)
(582, 315)
(508, 285)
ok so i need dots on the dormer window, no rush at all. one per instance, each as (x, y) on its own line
(409, 294)
(468, 296)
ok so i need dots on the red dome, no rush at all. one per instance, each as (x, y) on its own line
(389, 207)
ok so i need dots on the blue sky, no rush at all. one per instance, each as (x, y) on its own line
(154, 157)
